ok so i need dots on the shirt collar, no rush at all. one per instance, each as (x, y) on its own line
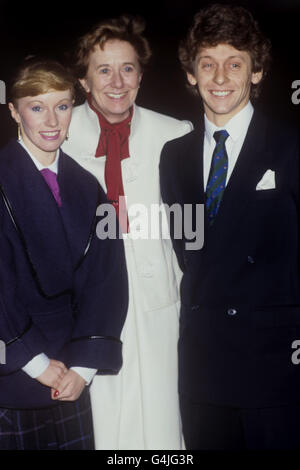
(38, 164)
(236, 126)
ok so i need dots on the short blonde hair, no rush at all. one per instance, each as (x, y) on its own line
(124, 28)
(38, 76)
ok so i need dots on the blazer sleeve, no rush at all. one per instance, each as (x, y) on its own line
(20, 339)
(101, 302)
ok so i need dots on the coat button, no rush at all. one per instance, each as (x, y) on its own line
(231, 311)
(250, 259)
(146, 270)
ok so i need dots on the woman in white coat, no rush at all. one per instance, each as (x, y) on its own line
(120, 143)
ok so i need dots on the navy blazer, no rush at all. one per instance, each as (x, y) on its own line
(63, 290)
(240, 293)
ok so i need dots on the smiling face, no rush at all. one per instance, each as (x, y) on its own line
(113, 79)
(44, 121)
(224, 76)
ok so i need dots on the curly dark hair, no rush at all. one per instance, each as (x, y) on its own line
(124, 28)
(226, 24)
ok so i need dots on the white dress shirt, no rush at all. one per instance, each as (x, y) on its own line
(237, 128)
(36, 366)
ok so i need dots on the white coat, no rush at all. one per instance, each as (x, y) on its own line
(139, 407)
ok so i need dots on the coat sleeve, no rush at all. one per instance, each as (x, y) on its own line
(101, 302)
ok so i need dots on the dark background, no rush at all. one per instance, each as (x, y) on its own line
(51, 28)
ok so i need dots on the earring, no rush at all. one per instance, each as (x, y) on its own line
(19, 133)
(67, 136)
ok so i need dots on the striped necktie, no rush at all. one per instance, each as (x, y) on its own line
(217, 176)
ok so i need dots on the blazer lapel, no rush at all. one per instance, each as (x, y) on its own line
(79, 206)
(38, 218)
(191, 189)
(192, 168)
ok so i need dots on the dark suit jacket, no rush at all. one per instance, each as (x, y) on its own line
(240, 293)
(63, 290)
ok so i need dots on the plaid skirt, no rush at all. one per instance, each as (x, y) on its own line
(66, 426)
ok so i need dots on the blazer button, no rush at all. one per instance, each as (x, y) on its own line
(250, 259)
(231, 311)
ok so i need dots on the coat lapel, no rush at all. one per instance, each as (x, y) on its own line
(38, 218)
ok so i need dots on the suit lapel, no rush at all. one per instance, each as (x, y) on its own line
(38, 217)
(192, 167)
(253, 161)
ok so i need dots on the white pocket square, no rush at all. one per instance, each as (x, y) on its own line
(267, 181)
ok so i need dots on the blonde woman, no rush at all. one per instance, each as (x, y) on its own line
(63, 295)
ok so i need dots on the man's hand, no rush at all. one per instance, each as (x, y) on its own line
(70, 387)
(53, 375)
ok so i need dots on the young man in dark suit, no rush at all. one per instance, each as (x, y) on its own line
(240, 314)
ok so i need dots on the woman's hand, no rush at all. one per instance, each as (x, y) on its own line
(53, 375)
(70, 387)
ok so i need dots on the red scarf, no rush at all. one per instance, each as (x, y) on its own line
(113, 143)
